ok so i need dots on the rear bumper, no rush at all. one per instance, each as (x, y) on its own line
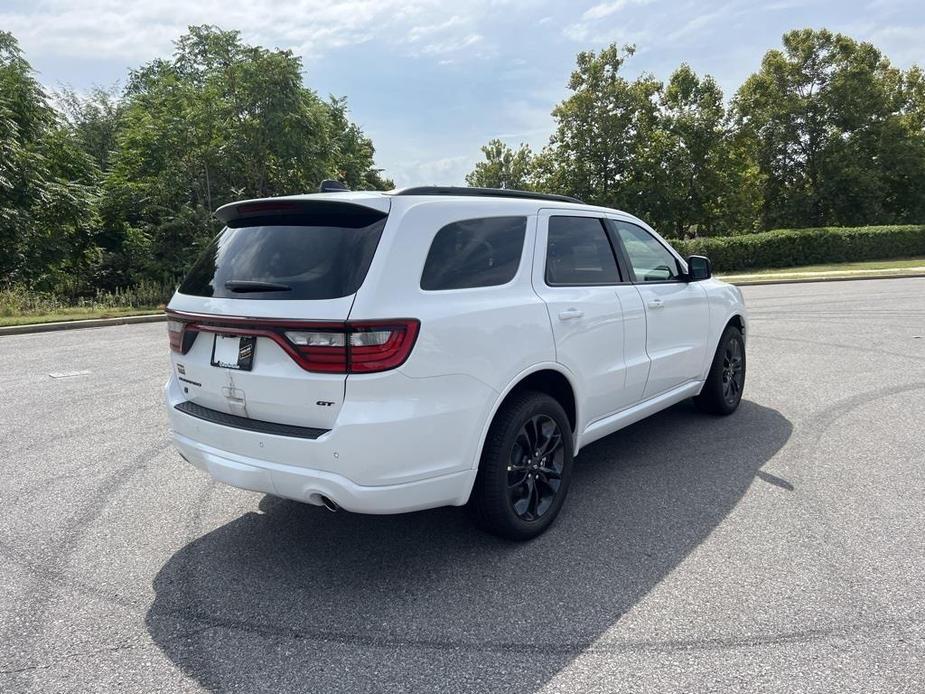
(385, 454)
(307, 485)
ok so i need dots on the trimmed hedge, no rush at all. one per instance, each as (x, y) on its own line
(794, 247)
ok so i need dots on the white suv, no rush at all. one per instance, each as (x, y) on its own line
(389, 352)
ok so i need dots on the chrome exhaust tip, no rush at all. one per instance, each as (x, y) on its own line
(329, 505)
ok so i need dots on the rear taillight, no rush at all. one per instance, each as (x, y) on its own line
(354, 347)
(180, 336)
(365, 346)
(381, 346)
(320, 349)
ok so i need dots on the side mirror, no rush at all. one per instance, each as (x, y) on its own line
(699, 268)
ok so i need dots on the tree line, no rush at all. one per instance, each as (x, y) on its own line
(109, 188)
(827, 132)
(106, 189)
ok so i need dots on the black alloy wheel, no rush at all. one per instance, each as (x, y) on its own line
(525, 469)
(733, 371)
(722, 391)
(534, 475)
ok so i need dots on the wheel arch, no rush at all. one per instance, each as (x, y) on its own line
(738, 320)
(550, 378)
(735, 317)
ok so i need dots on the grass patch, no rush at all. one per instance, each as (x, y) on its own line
(22, 306)
(69, 314)
(834, 270)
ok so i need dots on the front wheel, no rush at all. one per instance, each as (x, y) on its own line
(722, 391)
(525, 469)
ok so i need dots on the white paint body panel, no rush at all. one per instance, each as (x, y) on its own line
(600, 335)
(677, 327)
(411, 438)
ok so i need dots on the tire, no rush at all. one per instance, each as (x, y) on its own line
(722, 391)
(517, 496)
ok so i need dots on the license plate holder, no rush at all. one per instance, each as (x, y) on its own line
(234, 351)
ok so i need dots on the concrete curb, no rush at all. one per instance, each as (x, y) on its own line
(75, 324)
(810, 280)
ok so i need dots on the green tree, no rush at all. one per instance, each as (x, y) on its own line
(710, 180)
(47, 183)
(93, 119)
(220, 121)
(904, 155)
(503, 167)
(825, 115)
(603, 137)
(913, 99)
(353, 151)
(666, 152)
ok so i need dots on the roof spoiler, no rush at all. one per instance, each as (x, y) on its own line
(321, 211)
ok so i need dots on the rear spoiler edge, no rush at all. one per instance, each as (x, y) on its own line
(325, 204)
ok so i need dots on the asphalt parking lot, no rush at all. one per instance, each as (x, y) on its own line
(781, 549)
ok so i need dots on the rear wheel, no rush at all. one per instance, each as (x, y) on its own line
(722, 391)
(525, 468)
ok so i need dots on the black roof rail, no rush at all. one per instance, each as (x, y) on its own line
(484, 192)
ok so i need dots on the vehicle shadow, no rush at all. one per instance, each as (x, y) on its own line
(298, 598)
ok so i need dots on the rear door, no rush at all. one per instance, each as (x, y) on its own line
(595, 312)
(265, 300)
(677, 312)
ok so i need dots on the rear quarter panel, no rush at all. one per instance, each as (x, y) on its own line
(490, 334)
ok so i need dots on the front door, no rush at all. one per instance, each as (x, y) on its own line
(677, 311)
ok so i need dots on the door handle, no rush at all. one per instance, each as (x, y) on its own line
(656, 303)
(570, 313)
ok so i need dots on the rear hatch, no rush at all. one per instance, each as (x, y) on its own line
(258, 329)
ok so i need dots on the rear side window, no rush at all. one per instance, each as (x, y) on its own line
(475, 253)
(296, 257)
(579, 252)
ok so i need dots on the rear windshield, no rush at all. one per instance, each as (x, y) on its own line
(289, 258)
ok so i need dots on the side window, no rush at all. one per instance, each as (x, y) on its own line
(475, 253)
(578, 252)
(651, 261)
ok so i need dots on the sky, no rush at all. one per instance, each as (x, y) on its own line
(431, 82)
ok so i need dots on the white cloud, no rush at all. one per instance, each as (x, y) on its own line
(451, 44)
(133, 31)
(587, 34)
(416, 33)
(448, 36)
(528, 121)
(591, 29)
(694, 25)
(425, 172)
(893, 6)
(605, 9)
(782, 5)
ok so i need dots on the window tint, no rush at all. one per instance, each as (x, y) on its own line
(475, 253)
(578, 252)
(651, 261)
(291, 260)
